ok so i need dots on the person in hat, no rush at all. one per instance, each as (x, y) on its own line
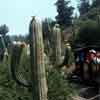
(90, 56)
(79, 61)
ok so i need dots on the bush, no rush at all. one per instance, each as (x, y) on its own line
(9, 90)
(58, 87)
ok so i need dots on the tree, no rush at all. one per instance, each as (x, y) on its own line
(89, 33)
(4, 29)
(84, 7)
(96, 3)
(64, 17)
(92, 14)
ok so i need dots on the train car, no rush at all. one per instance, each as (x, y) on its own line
(87, 63)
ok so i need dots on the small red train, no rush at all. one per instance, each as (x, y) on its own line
(87, 63)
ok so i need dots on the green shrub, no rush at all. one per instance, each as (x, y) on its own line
(58, 87)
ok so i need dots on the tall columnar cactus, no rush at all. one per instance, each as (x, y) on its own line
(39, 85)
(57, 45)
(15, 63)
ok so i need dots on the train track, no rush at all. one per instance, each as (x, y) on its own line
(86, 92)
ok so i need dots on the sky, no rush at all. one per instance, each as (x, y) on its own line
(16, 14)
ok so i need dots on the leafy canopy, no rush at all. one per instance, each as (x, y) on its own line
(89, 33)
(65, 11)
(4, 29)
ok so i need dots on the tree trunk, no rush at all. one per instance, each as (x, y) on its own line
(38, 74)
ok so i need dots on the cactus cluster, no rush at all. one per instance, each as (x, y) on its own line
(37, 63)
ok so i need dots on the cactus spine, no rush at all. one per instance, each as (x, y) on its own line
(39, 85)
(57, 45)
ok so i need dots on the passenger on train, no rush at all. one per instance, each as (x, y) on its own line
(90, 56)
(90, 59)
(79, 61)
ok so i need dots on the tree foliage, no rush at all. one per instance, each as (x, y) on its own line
(4, 29)
(64, 17)
(96, 3)
(92, 14)
(89, 9)
(89, 33)
(88, 24)
(84, 6)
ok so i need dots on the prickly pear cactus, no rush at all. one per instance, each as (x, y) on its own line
(38, 75)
